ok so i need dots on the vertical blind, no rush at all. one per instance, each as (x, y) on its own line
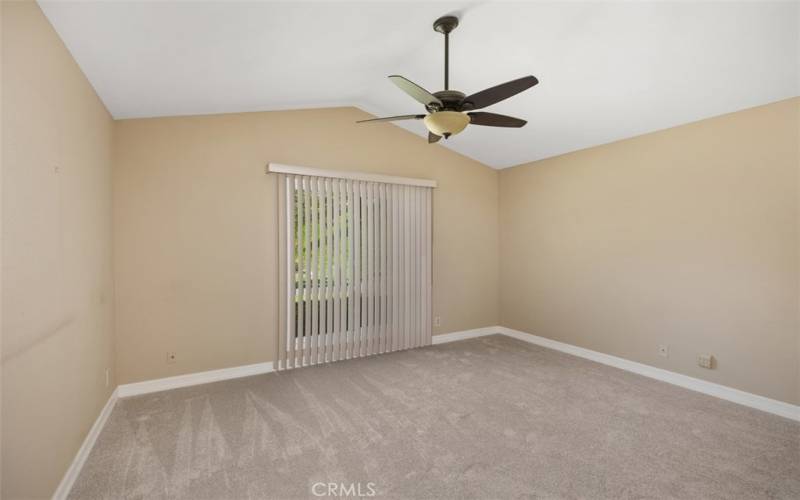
(355, 268)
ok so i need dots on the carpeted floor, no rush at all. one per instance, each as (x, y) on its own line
(491, 417)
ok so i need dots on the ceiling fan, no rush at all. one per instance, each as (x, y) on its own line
(450, 111)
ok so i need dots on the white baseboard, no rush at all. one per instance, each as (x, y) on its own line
(695, 384)
(762, 403)
(189, 379)
(163, 384)
(720, 391)
(75, 467)
(465, 334)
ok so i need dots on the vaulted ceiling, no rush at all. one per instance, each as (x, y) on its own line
(607, 70)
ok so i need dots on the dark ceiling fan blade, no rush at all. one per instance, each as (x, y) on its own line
(393, 118)
(421, 95)
(498, 93)
(433, 138)
(494, 120)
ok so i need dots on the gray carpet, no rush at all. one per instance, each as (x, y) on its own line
(492, 417)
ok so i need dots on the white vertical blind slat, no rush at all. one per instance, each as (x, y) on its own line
(321, 264)
(341, 344)
(384, 275)
(370, 330)
(412, 275)
(336, 271)
(420, 273)
(314, 268)
(328, 271)
(305, 345)
(286, 351)
(321, 303)
(428, 244)
(364, 271)
(412, 269)
(282, 269)
(415, 268)
(320, 268)
(297, 267)
(401, 267)
(357, 265)
(288, 336)
(397, 257)
(350, 270)
(407, 319)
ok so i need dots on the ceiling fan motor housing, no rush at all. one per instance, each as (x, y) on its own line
(451, 101)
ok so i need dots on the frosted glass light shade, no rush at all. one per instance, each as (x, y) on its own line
(446, 123)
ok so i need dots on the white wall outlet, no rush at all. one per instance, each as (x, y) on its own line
(705, 361)
(108, 377)
(171, 357)
(663, 350)
(437, 321)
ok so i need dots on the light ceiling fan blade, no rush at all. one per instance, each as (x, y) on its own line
(418, 93)
(433, 138)
(393, 118)
(498, 93)
(494, 120)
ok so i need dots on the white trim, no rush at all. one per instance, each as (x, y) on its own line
(748, 399)
(198, 378)
(342, 174)
(762, 403)
(720, 391)
(164, 384)
(751, 400)
(466, 334)
(75, 467)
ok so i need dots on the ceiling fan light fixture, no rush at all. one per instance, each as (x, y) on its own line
(446, 123)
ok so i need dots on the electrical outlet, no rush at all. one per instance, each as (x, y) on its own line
(663, 350)
(705, 361)
(171, 357)
(437, 321)
(108, 378)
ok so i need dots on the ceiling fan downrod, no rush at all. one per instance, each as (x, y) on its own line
(447, 61)
(445, 25)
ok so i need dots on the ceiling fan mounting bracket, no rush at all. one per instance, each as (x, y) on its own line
(445, 24)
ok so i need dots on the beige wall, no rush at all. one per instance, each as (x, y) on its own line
(686, 237)
(194, 229)
(56, 266)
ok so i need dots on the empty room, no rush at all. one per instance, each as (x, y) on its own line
(402, 250)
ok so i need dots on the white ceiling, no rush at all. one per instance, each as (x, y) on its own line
(607, 70)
